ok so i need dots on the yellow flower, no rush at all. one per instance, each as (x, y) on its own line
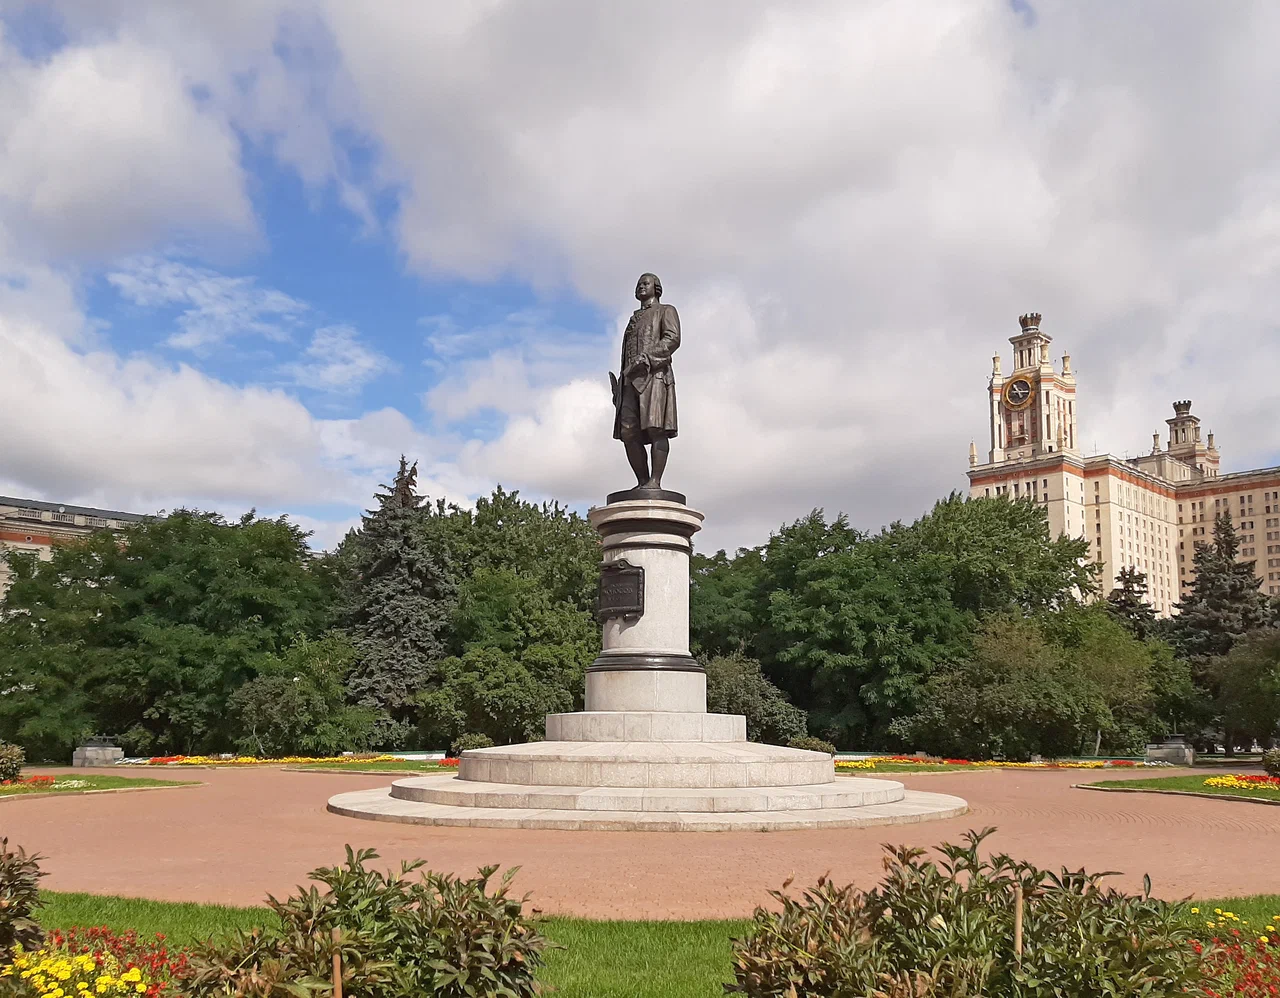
(1271, 928)
(1195, 911)
(1217, 911)
(1263, 939)
(142, 988)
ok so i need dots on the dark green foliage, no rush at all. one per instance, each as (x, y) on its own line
(735, 685)
(945, 928)
(1271, 762)
(1248, 682)
(850, 626)
(12, 759)
(723, 602)
(1015, 696)
(811, 744)
(1224, 603)
(470, 740)
(296, 705)
(146, 634)
(399, 938)
(19, 896)
(520, 654)
(397, 597)
(1128, 603)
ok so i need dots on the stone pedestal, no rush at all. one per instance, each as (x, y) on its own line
(87, 756)
(1174, 750)
(645, 754)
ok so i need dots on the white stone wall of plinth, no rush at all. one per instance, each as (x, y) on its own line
(654, 535)
(647, 690)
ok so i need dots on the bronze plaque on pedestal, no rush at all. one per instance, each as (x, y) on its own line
(621, 590)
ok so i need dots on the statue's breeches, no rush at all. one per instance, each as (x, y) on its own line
(647, 412)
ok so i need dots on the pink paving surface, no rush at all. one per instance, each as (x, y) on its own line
(246, 833)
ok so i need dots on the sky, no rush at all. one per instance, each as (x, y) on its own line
(253, 251)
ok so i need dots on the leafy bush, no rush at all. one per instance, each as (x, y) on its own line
(11, 759)
(812, 744)
(1271, 761)
(472, 739)
(736, 685)
(439, 935)
(19, 895)
(946, 929)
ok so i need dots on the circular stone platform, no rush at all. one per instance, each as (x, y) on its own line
(645, 785)
(634, 811)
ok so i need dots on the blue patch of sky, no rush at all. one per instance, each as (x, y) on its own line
(317, 251)
(34, 29)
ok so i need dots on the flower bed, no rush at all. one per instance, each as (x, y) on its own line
(1240, 959)
(93, 961)
(1268, 785)
(912, 760)
(26, 785)
(253, 760)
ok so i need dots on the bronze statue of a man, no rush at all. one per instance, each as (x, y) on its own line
(644, 396)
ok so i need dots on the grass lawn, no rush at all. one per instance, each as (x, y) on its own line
(601, 959)
(1192, 784)
(80, 784)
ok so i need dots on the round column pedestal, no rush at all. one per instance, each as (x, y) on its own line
(644, 662)
(647, 690)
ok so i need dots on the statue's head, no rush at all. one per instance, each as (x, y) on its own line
(648, 287)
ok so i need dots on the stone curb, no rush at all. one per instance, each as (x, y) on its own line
(1175, 793)
(105, 790)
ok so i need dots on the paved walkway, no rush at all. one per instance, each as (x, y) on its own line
(250, 832)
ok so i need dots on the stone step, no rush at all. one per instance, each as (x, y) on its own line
(645, 726)
(844, 792)
(379, 805)
(646, 764)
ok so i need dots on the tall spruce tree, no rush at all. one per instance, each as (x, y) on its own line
(1128, 603)
(1225, 602)
(398, 597)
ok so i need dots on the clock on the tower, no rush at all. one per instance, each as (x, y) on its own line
(1018, 393)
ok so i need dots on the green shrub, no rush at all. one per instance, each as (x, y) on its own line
(19, 895)
(438, 935)
(1271, 761)
(946, 929)
(12, 759)
(811, 744)
(472, 739)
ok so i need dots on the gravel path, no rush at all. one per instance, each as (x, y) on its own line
(250, 832)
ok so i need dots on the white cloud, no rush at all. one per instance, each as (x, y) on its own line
(103, 150)
(213, 306)
(336, 361)
(850, 204)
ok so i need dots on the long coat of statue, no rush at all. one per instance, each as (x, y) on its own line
(653, 332)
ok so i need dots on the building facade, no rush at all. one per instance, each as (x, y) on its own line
(1146, 513)
(32, 525)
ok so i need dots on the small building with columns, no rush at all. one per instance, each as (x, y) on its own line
(1146, 512)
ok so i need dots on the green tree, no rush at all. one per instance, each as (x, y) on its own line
(1128, 603)
(1249, 685)
(1224, 603)
(518, 655)
(146, 634)
(399, 589)
(724, 606)
(735, 685)
(858, 634)
(1016, 695)
(297, 703)
(999, 555)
